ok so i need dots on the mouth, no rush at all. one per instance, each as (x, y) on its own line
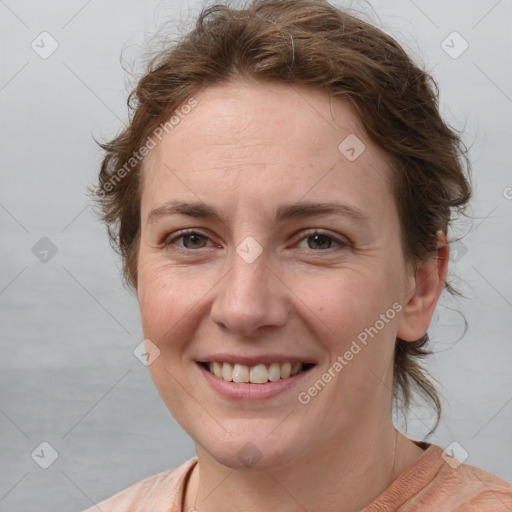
(260, 373)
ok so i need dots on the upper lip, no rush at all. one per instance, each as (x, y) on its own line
(225, 357)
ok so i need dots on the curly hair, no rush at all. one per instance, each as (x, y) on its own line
(314, 43)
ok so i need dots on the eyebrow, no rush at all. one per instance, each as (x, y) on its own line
(289, 211)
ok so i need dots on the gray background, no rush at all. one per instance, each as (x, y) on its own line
(68, 375)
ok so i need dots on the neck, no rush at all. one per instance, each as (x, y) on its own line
(346, 475)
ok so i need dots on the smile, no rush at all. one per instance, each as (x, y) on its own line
(256, 374)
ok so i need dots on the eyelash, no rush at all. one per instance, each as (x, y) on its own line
(168, 242)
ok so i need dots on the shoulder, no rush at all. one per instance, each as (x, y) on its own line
(161, 489)
(437, 483)
(478, 490)
(450, 486)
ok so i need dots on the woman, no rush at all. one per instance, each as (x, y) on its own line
(281, 200)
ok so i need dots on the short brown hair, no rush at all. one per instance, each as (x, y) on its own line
(308, 42)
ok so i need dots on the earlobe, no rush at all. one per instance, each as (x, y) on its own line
(421, 302)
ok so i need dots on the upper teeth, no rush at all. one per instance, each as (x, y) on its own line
(258, 374)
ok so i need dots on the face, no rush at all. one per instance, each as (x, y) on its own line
(269, 237)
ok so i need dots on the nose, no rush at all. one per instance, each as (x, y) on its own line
(250, 297)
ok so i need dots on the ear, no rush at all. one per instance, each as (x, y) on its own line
(427, 286)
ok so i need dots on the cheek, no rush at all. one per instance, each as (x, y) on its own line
(356, 312)
(159, 283)
(345, 301)
(165, 307)
(173, 301)
(162, 298)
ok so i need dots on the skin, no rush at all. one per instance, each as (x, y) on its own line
(246, 149)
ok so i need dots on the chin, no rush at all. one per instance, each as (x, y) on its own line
(251, 457)
(248, 451)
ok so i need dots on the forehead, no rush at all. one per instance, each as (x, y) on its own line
(248, 139)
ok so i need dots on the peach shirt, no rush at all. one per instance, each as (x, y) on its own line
(428, 485)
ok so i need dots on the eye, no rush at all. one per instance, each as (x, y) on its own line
(319, 241)
(191, 240)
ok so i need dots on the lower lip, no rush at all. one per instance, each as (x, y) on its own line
(249, 391)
